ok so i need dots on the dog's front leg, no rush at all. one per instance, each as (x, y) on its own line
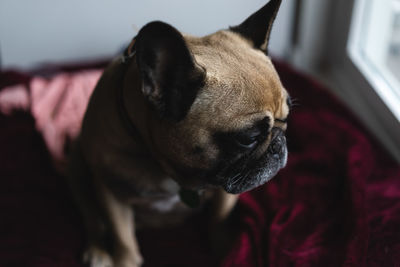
(221, 226)
(121, 225)
(221, 206)
(105, 218)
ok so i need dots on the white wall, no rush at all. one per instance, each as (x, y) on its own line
(33, 32)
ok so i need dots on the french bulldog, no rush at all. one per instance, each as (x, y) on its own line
(177, 121)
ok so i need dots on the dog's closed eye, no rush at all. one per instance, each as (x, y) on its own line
(282, 120)
(247, 139)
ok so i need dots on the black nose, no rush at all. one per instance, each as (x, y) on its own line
(277, 141)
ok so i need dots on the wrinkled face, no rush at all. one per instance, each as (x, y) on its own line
(233, 134)
(221, 108)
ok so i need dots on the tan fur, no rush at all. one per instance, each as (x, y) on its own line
(241, 87)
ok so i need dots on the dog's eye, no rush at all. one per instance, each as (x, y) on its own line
(247, 140)
(282, 120)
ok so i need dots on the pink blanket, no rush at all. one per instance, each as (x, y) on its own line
(57, 104)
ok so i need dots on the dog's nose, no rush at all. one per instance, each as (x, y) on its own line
(277, 140)
(275, 148)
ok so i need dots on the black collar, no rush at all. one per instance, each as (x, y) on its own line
(126, 59)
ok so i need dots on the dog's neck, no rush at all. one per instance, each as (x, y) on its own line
(129, 76)
(122, 107)
(128, 92)
(126, 60)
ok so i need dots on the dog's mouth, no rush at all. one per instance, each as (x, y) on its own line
(244, 176)
(240, 176)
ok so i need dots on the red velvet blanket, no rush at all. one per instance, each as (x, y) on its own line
(335, 204)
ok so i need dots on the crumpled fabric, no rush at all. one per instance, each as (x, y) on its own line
(57, 104)
(336, 203)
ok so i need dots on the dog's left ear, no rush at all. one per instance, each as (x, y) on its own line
(257, 27)
(170, 75)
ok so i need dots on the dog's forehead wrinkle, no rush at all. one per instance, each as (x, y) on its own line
(237, 104)
(237, 70)
(226, 49)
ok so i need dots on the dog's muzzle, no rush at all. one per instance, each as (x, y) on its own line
(257, 172)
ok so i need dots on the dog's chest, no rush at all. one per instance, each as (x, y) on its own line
(165, 204)
(161, 211)
(153, 195)
(162, 207)
(162, 198)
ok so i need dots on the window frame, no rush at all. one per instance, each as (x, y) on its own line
(335, 66)
(368, 61)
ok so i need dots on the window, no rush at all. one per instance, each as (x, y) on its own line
(353, 46)
(374, 46)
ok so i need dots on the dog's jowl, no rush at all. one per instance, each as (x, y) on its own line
(175, 124)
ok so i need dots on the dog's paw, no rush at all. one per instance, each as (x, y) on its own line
(96, 257)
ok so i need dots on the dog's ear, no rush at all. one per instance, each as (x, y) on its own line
(257, 27)
(170, 75)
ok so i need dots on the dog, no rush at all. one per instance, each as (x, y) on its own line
(175, 123)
